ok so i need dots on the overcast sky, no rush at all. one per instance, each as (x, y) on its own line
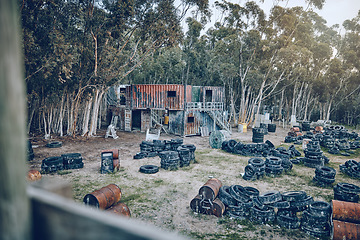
(334, 11)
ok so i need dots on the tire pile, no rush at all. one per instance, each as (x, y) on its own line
(255, 169)
(152, 149)
(65, 161)
(313, 155)
(351, 168)
(258, 134)
(170, 160)
(324, 176)
(346, 192)
(281, 208)
(315, 220)
(207, 201)
(250, 149)
(173, 153)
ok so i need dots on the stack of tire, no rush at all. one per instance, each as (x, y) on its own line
(324, 176)
(255, 169)
(315, 220)
(52, 164)
(342, 144)
(251, 149)
(72, 161)
(170, 160)
(313, 155)
(351, 168)
(271, 127)
(184, 155)
(238, 200)
(192, 149)
(273, 167)
(263, 208)
(207, 201)
(305, 126)
(175, 143)
(327, 141)
(285, 155)
(158, 145)
(346, 192)
(146, 148)
(258, 135)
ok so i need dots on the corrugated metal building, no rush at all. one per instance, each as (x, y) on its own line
(179, 112)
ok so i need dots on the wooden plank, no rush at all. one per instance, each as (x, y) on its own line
(58, 218)
(14, 204)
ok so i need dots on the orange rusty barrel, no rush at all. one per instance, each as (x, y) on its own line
(104, 197)
(210, 189)
(345, 230)
(120, 209)
(346, 211)
(319, 129)
(195, 204)
(295, 129)
(33, 175)
(116, 164)
(114, 151)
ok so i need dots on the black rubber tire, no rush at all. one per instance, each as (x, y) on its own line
(238, 193)
(256, 162)
(349, 188)
(270, 197)
(225, 196)
(54, 144)
(292, 196)
(320, 208)
(273, 160)
(231, 144)
(149, 169)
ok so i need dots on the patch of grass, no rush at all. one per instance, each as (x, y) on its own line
(64, 172)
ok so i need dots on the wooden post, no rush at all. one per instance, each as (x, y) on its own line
(14, 203)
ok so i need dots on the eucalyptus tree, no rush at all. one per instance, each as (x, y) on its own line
(85, 46)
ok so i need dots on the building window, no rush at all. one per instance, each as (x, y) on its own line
(208, 95)
(171, 93)
(191, 119)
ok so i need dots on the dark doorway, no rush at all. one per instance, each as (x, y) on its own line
(136, 119)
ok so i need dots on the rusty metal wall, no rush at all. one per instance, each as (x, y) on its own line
(201, 119)
(145, 96)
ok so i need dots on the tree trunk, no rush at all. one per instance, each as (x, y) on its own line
(95, 111)
(15, 211)
(85, 128)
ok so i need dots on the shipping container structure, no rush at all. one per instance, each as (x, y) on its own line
(179, 112)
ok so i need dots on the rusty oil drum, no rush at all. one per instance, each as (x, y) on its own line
(104, 197)
(33, 175)
(210, 189)
(346, 211)
(120, 209)
(116, 160)
(345, 230)
(208, 207)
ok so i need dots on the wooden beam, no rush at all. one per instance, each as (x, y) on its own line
(14, 204)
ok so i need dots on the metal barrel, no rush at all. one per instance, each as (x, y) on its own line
(104, 197)
(208, 207)
(114, 151)
(345, 230)
(210, 189)
(120, 209)
(346, 211)
(33, 175)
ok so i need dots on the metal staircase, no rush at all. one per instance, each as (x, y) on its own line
(214, 110)
(219, 119)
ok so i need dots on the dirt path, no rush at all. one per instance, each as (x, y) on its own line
(162, 199)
